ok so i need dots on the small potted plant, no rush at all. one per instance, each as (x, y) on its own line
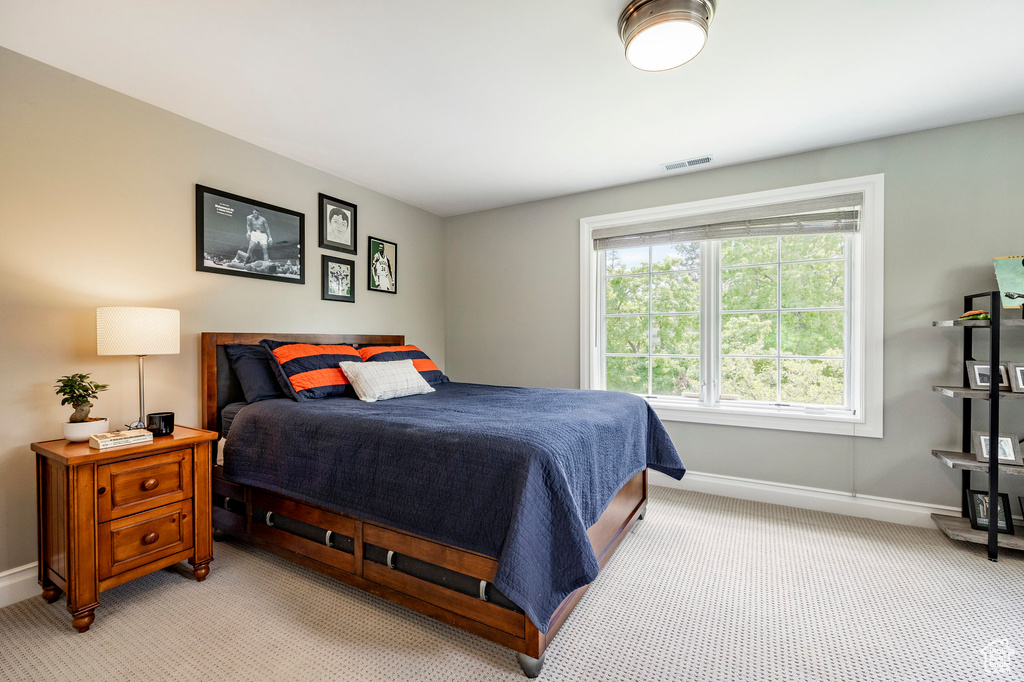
(78, 391)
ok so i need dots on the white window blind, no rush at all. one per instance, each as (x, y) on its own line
(831, 214)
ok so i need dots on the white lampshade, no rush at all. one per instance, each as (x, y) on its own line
(137, 331)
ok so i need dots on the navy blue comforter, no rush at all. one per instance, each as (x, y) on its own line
(518, 474)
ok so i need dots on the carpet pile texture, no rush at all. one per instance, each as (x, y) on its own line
(705, 588)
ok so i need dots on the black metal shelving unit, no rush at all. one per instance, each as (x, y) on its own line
(959, 528)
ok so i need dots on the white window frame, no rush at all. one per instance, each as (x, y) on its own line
(866, 296)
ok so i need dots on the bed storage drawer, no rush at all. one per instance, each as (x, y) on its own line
(135, 540)
(318, 534)
(483, 612)
(468, 563)
(395, 546)
(135, 485)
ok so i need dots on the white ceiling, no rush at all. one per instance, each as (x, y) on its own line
(461, 105)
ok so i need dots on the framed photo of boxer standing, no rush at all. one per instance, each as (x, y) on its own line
(248, 238)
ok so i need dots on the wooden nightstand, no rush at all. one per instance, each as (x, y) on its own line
(110, 516)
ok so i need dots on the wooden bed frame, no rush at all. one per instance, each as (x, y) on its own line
(488, 620)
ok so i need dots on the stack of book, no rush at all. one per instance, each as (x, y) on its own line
(114, 439)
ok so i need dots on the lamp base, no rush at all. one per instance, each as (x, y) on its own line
(136, 425)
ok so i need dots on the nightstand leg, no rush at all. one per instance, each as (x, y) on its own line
(200, 570)
(83, 583)
(48, 505)
(51, 593)
(203, 517)
(82, 621)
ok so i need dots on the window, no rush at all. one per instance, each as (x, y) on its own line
(759, 310)
(652, 320)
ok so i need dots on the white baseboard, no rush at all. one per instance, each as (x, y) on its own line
(18, 583)
(818, 499)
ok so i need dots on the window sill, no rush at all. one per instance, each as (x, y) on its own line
(734, 415)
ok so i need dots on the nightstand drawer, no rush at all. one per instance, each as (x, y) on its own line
(139, 539)
(136, 485)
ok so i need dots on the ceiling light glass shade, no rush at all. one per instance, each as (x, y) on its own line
(663, 34)
(137, 331)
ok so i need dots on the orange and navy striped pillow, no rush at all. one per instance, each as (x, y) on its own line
(423, 364)
(313, 371)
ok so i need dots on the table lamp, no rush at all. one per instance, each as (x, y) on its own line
(137, 331)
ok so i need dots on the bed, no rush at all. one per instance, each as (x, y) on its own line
(420, 513)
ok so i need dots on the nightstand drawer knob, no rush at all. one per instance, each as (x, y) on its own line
(150, 484)
(150, 538)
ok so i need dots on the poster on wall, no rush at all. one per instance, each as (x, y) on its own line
(383, 262)
(248, 238)
(1010, 276)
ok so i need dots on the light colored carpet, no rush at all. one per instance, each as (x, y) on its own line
(706, 588)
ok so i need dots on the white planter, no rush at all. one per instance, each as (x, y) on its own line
(80, 431)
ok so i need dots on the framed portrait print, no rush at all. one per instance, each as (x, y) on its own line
(383, 261)
(337, 224)
(248, 238)
(338, 277)
(1009, 448)
(978, 511)
(978, 372)
(1016, 370)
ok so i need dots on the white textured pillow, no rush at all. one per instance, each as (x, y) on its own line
(375, 381)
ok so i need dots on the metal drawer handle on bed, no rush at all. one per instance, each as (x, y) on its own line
(269, 521)
(483, 590)
(327, 539)
(391, 554)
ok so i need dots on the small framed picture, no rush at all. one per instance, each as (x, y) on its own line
(337, 224)
(1016, 370)
(978, 510)
(1009, 448)
(979, 371)
(383, 262)
(338, 277)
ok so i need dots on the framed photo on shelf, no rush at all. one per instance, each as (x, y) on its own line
(338, 277)
(979, 371)
(978, 510)
(1016, 371)
(1009, 448)
(337, 224)
(383, 261)
(248, 238)
(1010, 276)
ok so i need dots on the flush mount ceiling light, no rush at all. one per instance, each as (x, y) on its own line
(662, 34)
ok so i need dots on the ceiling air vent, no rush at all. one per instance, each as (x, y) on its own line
(688, 163)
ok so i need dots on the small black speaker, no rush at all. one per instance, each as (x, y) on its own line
(160, 423)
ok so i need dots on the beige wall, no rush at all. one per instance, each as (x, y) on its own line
(97, 207)
(953, 200)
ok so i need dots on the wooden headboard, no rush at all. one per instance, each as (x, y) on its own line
(219, 385)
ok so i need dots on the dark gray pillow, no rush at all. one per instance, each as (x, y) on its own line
(255, 373)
